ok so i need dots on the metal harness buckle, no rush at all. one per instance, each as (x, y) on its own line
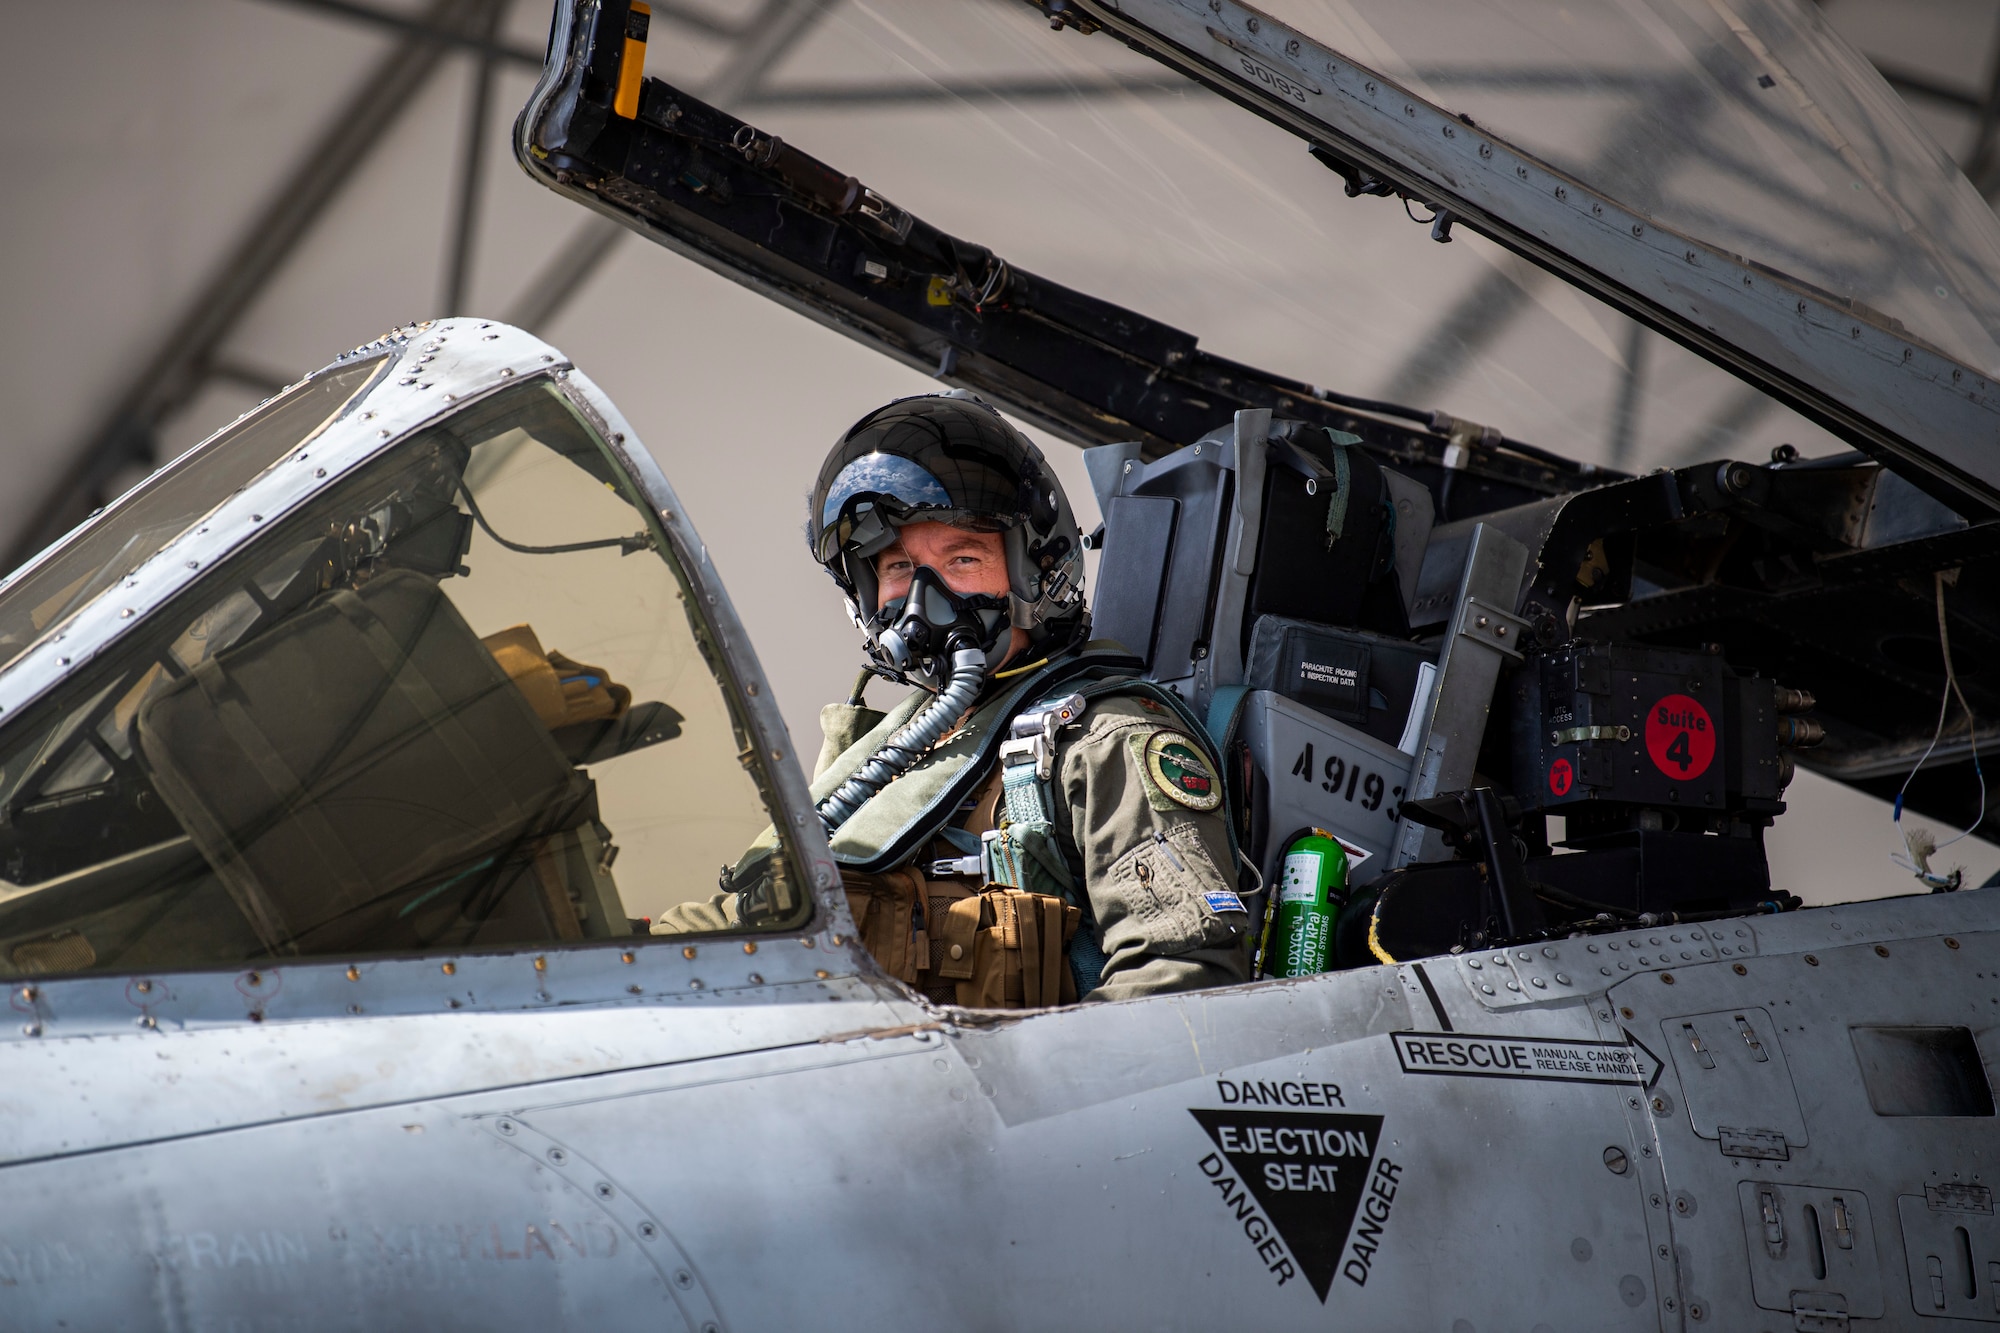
(1031, 737)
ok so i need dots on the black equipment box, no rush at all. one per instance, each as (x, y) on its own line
(1643, 726)
(1323, 553)
(1368, 681)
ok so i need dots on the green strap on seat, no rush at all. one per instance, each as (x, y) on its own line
(1343, 472)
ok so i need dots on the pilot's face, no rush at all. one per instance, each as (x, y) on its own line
(968, 562)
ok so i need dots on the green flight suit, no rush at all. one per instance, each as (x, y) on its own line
(1158, 875)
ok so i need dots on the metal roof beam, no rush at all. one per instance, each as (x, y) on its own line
(776, 28)
(474, 131)
(179, 364)
(479, 40)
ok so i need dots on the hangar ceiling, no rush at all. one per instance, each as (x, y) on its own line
(245, 188)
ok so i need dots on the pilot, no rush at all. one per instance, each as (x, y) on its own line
(1033, 824)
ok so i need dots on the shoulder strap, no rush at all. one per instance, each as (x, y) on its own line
(1224, 706)
(1086, 666)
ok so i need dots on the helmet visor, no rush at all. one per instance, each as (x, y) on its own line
(874, 495)
(889, 480)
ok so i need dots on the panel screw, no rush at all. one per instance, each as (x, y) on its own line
(1659, 1106)
(558, 1156)
(683, 1279)
(1626, 1011)
(1667, 978)
(822, 974)
(604, 1190)
(505, 1127)
(1812, 960)
(450, 968)
(1740, 970)
(1881, 951)
(688, 951)
(749, 946)
(1950, 943)
(647, 1230)
(353, 972)
(1615, 1160)
(541, 965)
(626, 957)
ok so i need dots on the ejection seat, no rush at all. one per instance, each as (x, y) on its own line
(1266, 574)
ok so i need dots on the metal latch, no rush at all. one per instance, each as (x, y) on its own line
(1700, 1051)
(1819, 1312)
(1774, 1222)
(1750, 1039)
(1499, 630)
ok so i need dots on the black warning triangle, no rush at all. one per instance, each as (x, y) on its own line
(1307, 1169)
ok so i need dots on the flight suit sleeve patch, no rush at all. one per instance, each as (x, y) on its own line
(1164, 892)
(1176, 768)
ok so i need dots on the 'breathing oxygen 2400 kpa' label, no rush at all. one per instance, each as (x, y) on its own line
(1310, 885)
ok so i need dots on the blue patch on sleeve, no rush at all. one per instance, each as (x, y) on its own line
(1222, 900)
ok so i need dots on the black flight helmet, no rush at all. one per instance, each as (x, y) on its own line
(948, 458)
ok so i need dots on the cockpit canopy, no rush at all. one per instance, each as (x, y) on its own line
(328, 686)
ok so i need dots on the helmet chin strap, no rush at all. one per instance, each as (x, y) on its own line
(934, 633)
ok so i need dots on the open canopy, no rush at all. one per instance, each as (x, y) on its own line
(1727, 170)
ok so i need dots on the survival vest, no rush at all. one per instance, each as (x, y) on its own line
(955, 874)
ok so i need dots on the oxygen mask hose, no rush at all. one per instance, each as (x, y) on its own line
(961, 687)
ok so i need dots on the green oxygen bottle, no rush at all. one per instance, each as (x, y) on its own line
(1312, 885)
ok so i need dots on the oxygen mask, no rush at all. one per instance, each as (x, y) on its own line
(921, 632)
(947, 643)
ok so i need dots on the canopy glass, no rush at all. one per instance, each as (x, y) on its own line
(1745, 123)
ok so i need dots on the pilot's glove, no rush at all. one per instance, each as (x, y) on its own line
(1146, 819)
